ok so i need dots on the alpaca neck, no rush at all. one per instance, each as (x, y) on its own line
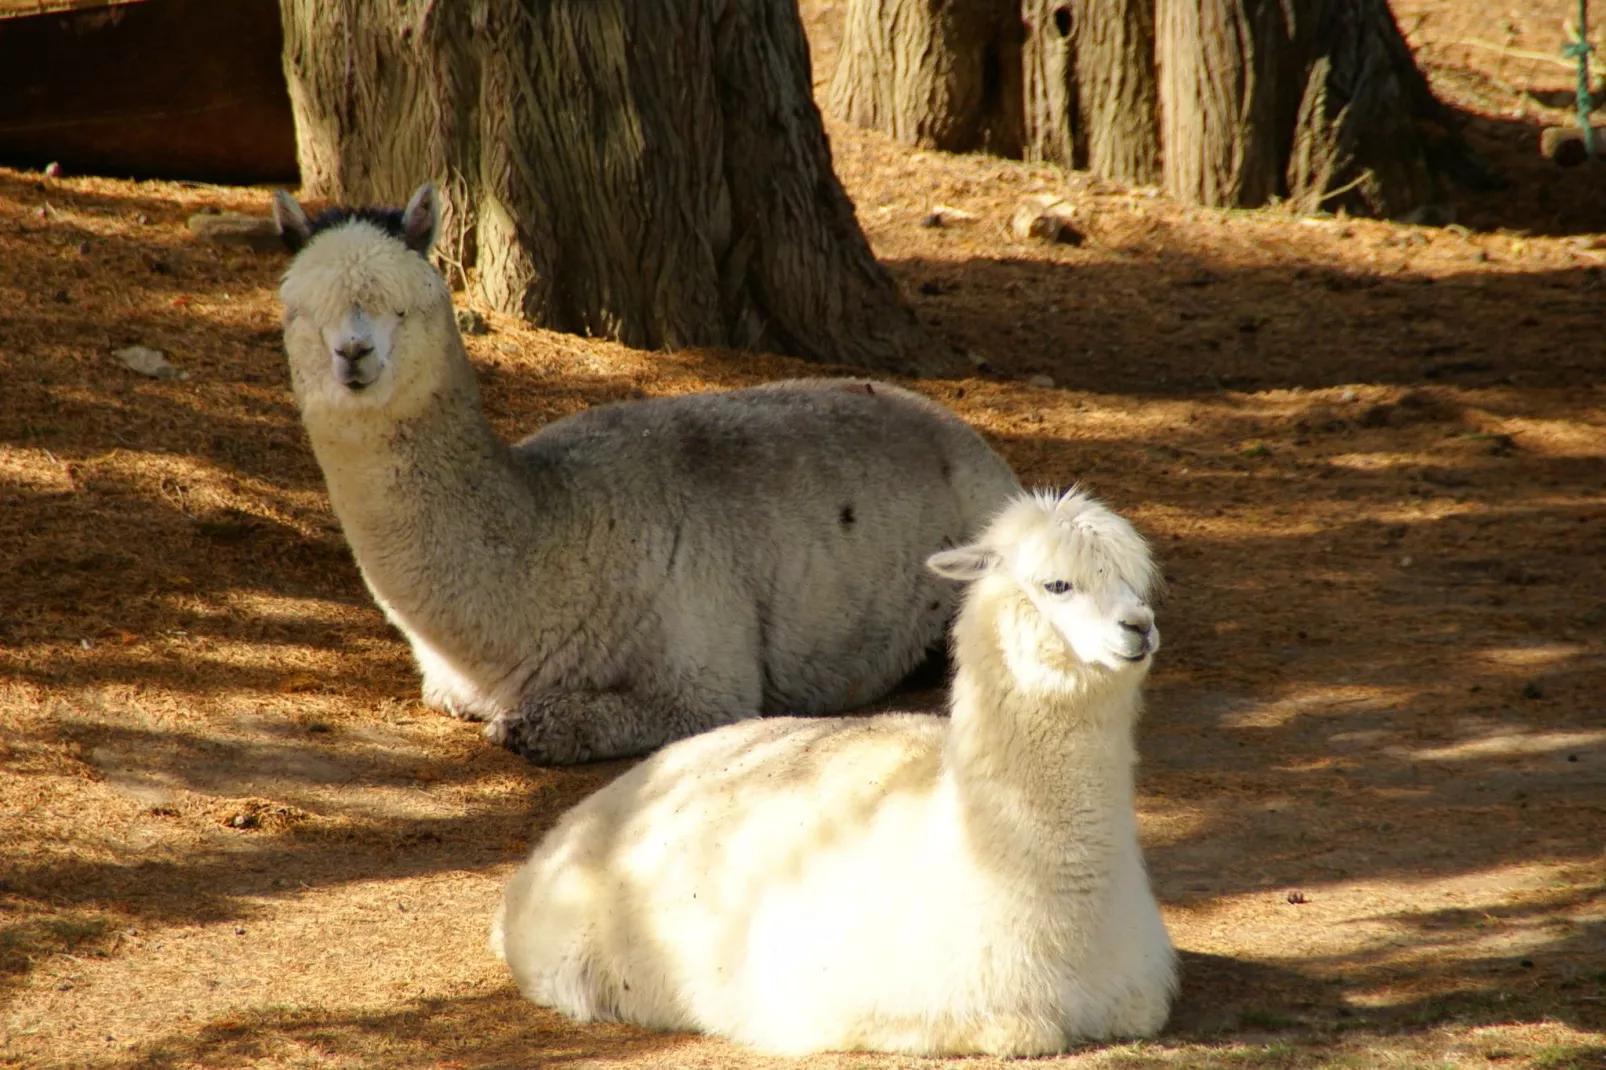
(1040, 753)
(438, 517)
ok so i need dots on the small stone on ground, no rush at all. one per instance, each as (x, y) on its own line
(148, 361)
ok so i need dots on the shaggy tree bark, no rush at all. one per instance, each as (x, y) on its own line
(384, 96)
(943, 74)
(1219, 92)
(1090, 87)
(1316, 101)
(1368, 133)
(651, 172)
(1228, 102)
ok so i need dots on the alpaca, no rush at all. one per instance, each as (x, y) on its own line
(894, 883)
(635, 573)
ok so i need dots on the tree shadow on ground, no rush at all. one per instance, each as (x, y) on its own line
(1230, 1012)
(1354, 686)
(35, 188)
(1160, 321)
(213, 883)
(242, 836)
(1538, 196)
(481, 1031)
(1295, 1019)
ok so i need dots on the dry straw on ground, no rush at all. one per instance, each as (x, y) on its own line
(1370, 456)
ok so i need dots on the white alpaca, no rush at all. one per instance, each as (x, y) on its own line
(896, 883)
(635, 573)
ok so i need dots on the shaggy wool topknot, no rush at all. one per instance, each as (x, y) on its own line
(388, 220)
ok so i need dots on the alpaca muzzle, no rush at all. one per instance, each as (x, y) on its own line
(356, 365)
(1139, 639)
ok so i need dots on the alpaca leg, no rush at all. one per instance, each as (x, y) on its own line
(1142, 1006)
(569, 727)
(450, 697)
(444, 688)
(1144, 1016)
(1001, 1034)
(1015, 1036)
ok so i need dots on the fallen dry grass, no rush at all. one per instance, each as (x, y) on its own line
(1370, 455)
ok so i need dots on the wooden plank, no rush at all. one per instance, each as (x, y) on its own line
(1564, 145)
(156, 88)
(18, 9)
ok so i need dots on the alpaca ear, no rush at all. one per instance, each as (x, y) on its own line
(1072, 501)
(965, 563)
(295, 229)
(421, 219)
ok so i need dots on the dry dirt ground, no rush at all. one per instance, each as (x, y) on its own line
(1372, 458)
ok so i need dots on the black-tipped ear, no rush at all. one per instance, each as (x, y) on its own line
(421, 219)
(964, 563)
(295, 229)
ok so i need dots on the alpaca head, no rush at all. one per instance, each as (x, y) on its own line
(1072, 580)
(360, 300)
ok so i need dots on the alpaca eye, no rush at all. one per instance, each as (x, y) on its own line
(1057, 587)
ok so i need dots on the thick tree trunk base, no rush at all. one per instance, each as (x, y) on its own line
(1090, 89)
(1232, 103)
(1219, 94)
(1369, 136)
(941, 74)
(654, 173)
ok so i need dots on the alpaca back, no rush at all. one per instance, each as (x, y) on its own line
(808, 505)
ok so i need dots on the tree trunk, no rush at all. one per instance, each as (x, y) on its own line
(382, 99)
(1316, 101)
(1090, 87)
(942, 74)
(1219, 93)
(1369, 135)
(1230, 102)
(655, 173)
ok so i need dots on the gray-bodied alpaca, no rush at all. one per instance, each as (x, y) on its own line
(632, 574)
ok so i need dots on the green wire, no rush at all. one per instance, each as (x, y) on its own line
(1580, 50)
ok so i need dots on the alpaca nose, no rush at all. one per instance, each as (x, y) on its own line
(1138, 638)
(1139, 623)
(1137, 630)
(354, 350)
(355, 364)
